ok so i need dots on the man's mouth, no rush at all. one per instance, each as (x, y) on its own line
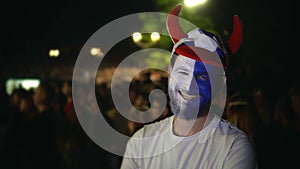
(188, 96)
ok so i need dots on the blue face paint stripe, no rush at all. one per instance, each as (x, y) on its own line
(204, 86)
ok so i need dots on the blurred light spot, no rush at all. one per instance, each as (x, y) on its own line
(155, 36)
(27, 84)
(191, 3)
(96, 52)
(137, 36)
(54, 53)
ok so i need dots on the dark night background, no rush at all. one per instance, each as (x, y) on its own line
(30, 28)
(268, 56)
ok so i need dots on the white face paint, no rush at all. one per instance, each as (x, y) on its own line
(189, 88)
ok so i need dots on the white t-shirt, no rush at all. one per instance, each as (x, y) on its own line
(218, 145)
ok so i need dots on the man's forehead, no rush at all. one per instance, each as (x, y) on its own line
(184, 62)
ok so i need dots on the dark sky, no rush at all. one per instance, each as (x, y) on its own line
(30, 28)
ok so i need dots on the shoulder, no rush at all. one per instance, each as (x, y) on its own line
(155, 128)
(229, 134)
(240, 150)
(147, 138)
(226, 128)
(235, 138)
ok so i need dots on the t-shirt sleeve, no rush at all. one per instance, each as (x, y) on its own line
(241, 155)
(131, 156)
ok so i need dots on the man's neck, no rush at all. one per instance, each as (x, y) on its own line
(185, 128)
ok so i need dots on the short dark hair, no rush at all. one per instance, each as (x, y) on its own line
(49, 89)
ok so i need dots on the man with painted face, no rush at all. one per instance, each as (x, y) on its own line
(196, 136)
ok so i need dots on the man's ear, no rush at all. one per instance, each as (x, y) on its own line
(169, 69)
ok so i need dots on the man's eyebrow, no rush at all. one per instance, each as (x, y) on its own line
(182, 68)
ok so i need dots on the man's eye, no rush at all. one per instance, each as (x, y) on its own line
(184, 73)
(201, 77)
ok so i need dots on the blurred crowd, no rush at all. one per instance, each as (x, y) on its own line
(39, 128)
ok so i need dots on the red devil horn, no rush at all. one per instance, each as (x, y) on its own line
(173, 26)
(236, 37)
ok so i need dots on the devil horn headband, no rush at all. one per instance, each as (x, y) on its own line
(176, 32)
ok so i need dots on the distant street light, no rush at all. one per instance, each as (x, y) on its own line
(138, 39)
(155, 36)
(192, 3)
(54, 53)
(96, 52)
